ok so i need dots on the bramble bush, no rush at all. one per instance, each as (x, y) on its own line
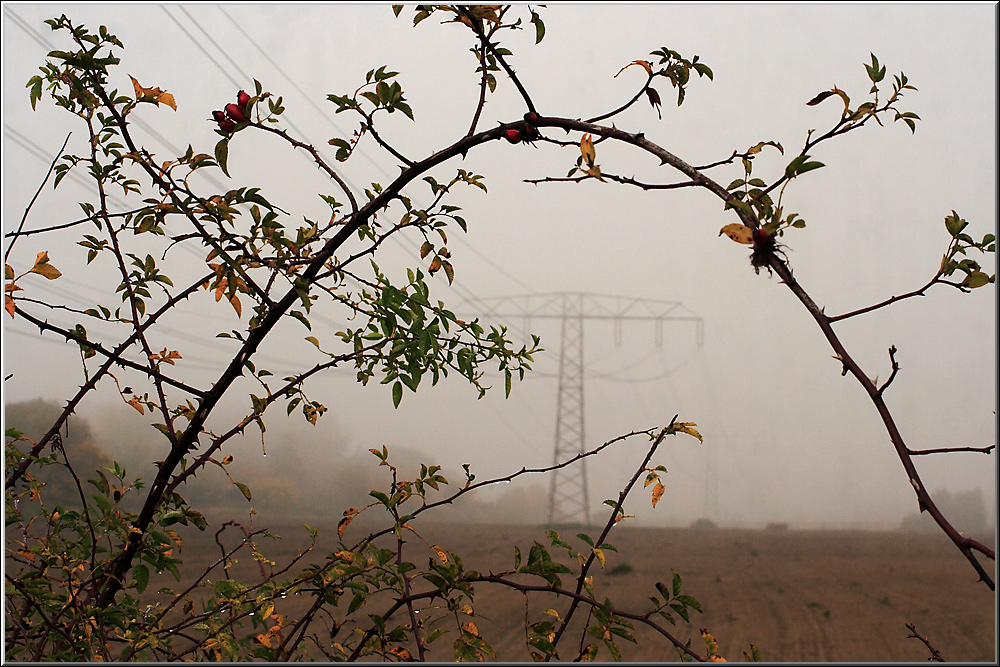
(79, 576)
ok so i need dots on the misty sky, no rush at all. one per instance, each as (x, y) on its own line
(786, 437)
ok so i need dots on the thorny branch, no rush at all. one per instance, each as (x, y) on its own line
(935, 654)
(102, 590)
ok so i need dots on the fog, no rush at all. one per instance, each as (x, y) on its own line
(786, 437)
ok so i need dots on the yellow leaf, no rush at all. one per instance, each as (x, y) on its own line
(658, 493)
(712, 645)
(587, 149)
(235, 301)
(738, 232)
(8, 304)
(471, 628)
(168, 99)
(553, 612)
(401, 653)
(43, 268)
(600, 554)
(688, 427)
(346, 521)
(441, 554)
(134, 402)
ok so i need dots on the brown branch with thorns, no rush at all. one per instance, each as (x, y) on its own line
(935, 654)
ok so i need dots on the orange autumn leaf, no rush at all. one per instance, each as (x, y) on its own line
(645, 64)
(587, 149)
(658, 493)
(154, 95)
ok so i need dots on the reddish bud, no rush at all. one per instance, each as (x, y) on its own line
(512, 135)
(225, 124)
(235, 113)
(531, 117)
(760, 235)
(243, 100)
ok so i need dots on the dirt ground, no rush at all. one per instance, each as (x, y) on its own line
(800, 596)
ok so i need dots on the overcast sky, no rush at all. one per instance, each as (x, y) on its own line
(786, 437)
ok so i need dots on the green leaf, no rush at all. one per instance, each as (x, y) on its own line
(35, 84)
(141, 576)
(397, 393)
(356, 602)
(954, 224)
(539, 28)
(222, 155)
(689, 601)
(976, 279)
(800, 166)
(245, 490)
(676, 584)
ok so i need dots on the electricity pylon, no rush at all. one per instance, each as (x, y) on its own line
(569, 500)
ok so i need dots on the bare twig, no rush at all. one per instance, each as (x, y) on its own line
(895, 369)
(27, 209)
(625, 180)
(935, 654)
(889, 301)
(948, 450)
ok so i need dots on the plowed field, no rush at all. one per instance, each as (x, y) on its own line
(800, 596)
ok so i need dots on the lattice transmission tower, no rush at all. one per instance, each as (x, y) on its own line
(569, 498)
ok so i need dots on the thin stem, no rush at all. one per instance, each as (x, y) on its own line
(948, 450)
(510, 72)
(612, 520)
(887, 302)
(24, 218)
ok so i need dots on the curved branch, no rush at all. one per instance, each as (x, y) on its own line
(625, 106)
(370, 126)
(924, 499)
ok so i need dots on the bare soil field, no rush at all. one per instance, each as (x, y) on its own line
(800, 596)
